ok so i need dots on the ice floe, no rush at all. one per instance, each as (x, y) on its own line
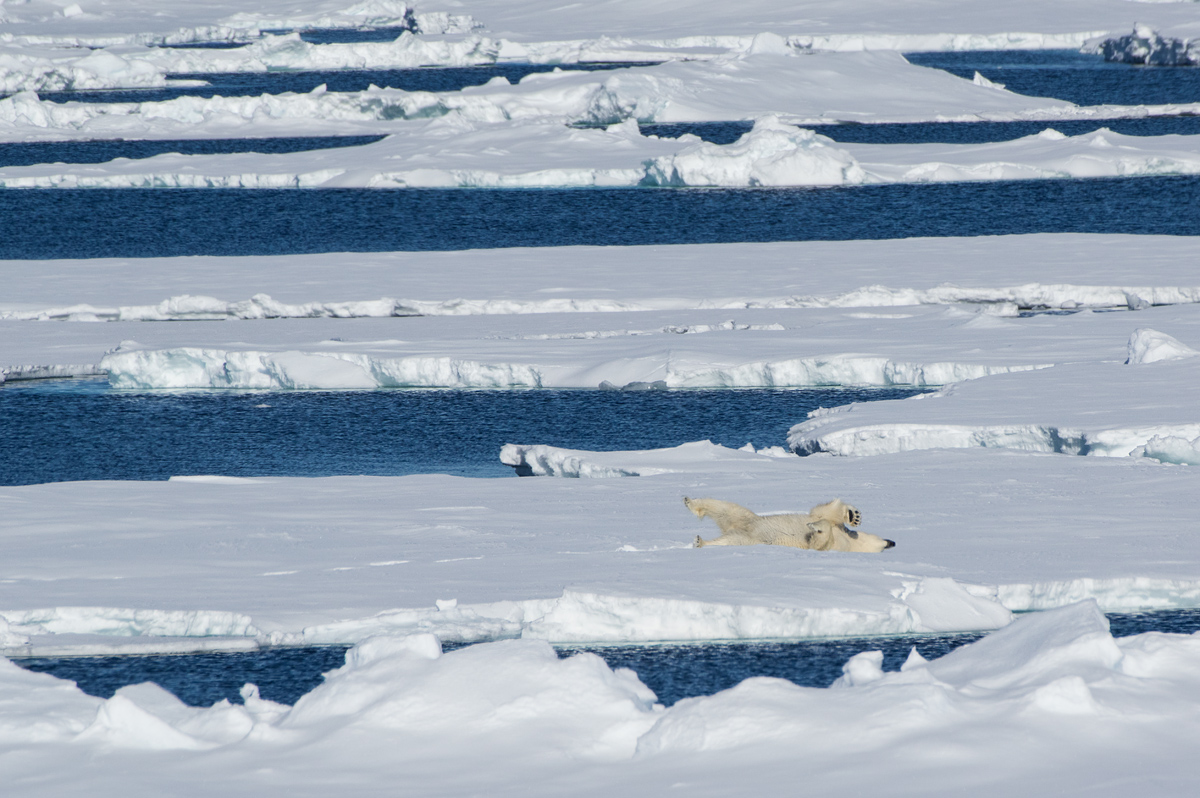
(1051, 703)
(671, 329)
(998, 273)
(442, 154)
(1103, 410)
(1152, 346)
(50, 70)
(496, 715)
(1146, 47)
(587, 559)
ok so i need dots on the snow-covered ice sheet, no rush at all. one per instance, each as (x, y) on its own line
(816, 88)
(91, 25)
(1050, 704)
(441, 154)
(1140, 409)
(1054, 702)
(978, 533)
(880, 86)
(920, 346)
(861, 24)
(1046, 270)
(679, 314)
(46, 69)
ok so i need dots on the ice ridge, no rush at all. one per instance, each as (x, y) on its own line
(1145, 46)
(191, 367)
(1005, 300)
(923, 605)
(1175, 443)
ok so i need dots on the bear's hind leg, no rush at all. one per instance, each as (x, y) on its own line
(728, 516)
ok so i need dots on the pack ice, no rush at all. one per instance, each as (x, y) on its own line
(1047, 477)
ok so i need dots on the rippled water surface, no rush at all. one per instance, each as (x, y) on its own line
(27, 153)
(1069, 75)
(62, 430)
(253, 84)
(101, 223)
(941, 132)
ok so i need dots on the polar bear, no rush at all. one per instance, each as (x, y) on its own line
(824, 528)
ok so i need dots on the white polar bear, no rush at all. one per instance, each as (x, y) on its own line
(824, 528)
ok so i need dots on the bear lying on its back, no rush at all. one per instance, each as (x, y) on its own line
(824, 528)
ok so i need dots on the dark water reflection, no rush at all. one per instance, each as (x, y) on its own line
(109, 223)
(64, 430)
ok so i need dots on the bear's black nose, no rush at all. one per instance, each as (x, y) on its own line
(890, 544)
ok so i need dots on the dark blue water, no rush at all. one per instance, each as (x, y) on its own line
(673, 672)
(1070, 75)
(940, 132)
(35, 152)
(221, 45)
(56, 431)
(312, 36)
(253, 84)
(350, 35)
(106, 223)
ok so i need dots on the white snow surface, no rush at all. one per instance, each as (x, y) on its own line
(857, 25)
(1152, 346)
(593, 559)
(1069, 706)
(69, 70)
(444, 152)
(440, 154)
(1041, 271)
(829, 87)
(922, 346)
(1103, 410)
(622, 315)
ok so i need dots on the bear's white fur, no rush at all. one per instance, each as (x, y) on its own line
(824, 528)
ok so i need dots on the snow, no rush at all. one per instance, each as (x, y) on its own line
(290, 52)
(1100, 409)
(1043, 348)
(610, 560)
(873, 86)
(603, 323)
(1055, 690)
(1040, 271)
(861, 24)
(71, 70)
(1152, 346)
(441, 154)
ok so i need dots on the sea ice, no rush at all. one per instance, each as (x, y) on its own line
(589, 559)
(510, 717)
(1049, 704)
(1103, 410)
(1145, 46)
(448, 153)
